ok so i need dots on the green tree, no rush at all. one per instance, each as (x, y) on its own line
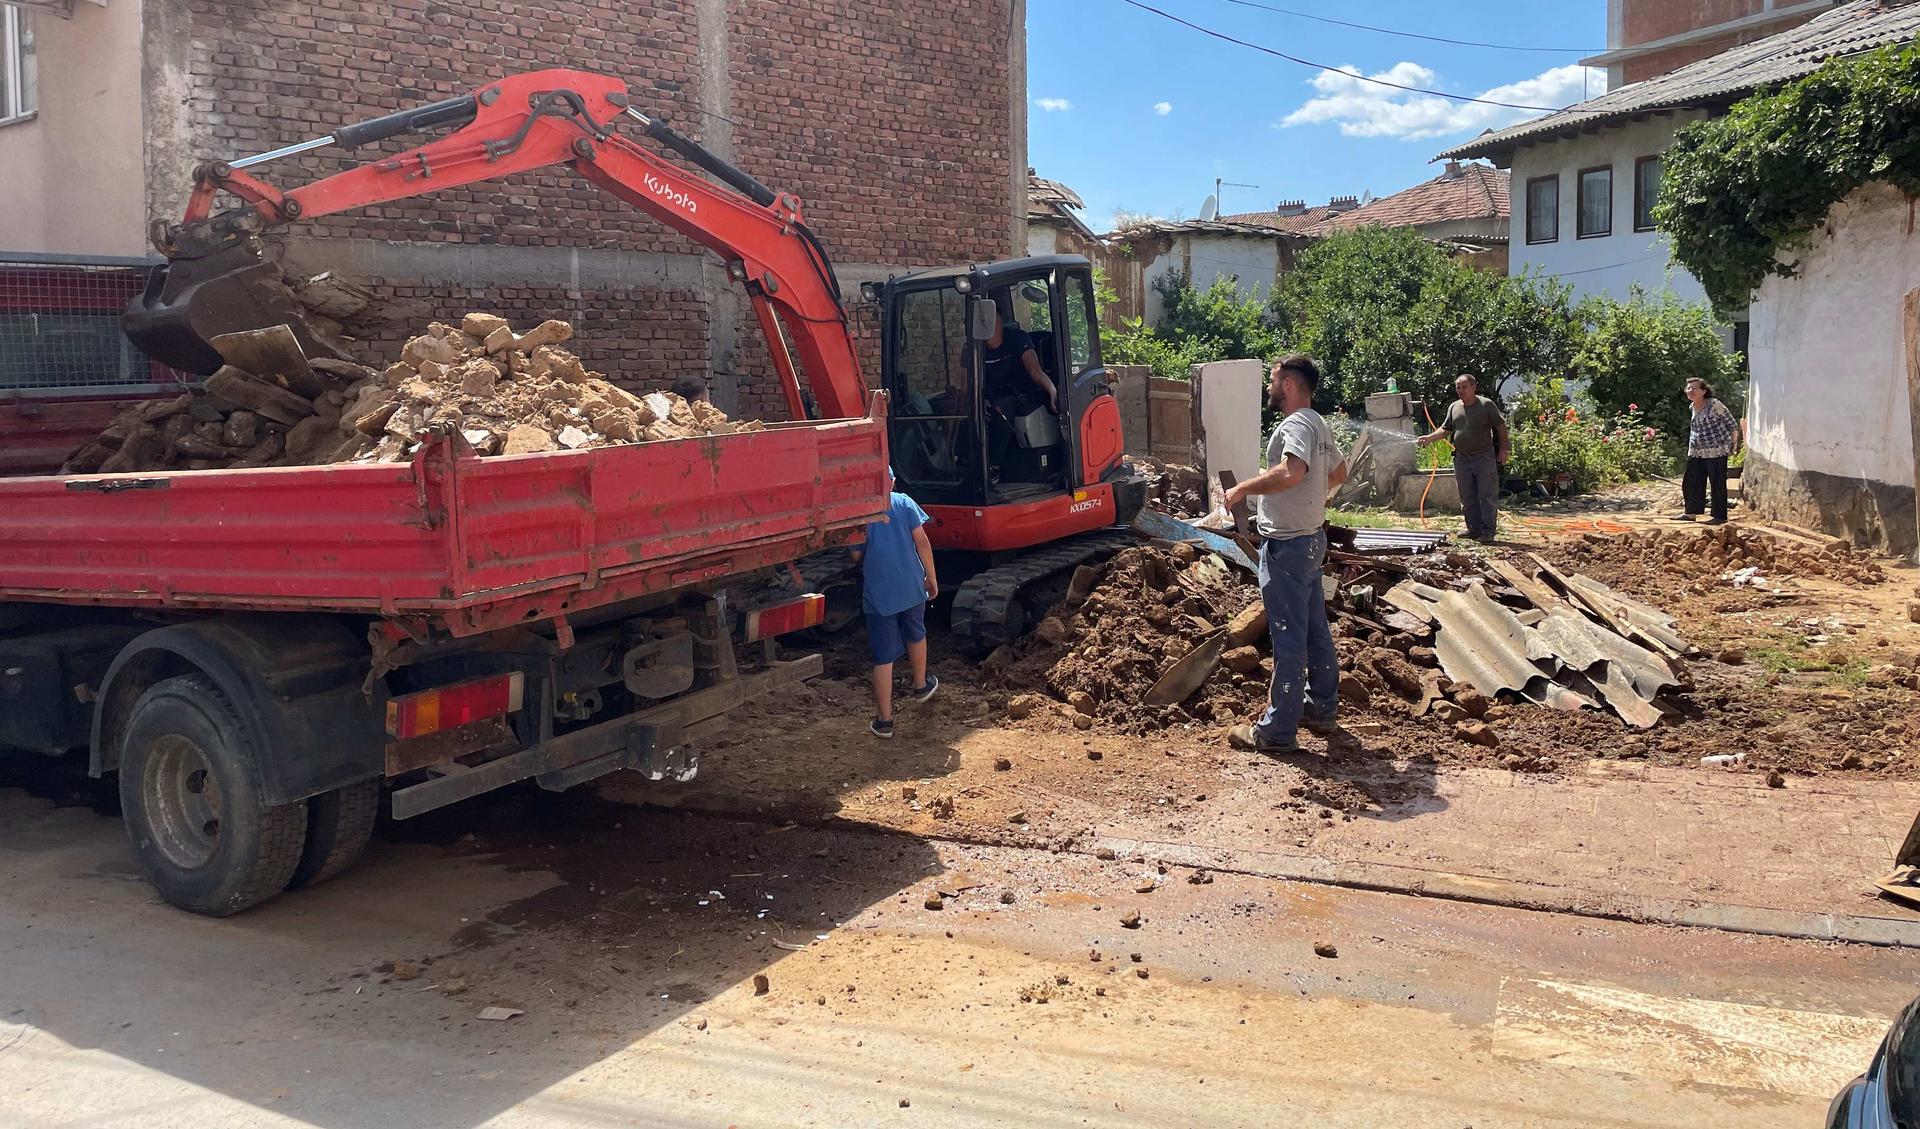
(1469, 321)
(1638, 355)
(1238, 324)
(1375, 304)
(1346, 290)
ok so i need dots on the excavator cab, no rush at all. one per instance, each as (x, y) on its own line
(970, 425)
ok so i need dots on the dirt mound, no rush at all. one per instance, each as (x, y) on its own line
(1702, 557)
(1150, 608)
(505, 393)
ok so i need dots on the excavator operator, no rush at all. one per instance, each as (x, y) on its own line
(1009, 360)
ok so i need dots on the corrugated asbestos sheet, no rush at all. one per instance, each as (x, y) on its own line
(1564, 660)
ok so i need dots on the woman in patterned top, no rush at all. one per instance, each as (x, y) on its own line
(1712, 438)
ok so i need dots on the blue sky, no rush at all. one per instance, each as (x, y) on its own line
(1139, 115)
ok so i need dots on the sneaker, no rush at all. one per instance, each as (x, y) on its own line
(1716, 521)
(922, 693)
(881, 729)
(1320, 726)
(1244, 737)
(1684, 517)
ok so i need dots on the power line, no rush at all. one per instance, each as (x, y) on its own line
(1334, 70)
(1411, 34)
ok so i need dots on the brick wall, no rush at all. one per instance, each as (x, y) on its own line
(1644, 21)
(889, 118)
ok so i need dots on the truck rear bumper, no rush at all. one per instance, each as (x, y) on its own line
(652, 741)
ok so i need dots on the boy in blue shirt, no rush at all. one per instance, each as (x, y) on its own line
(897, 564)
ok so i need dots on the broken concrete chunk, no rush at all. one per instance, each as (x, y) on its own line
(431, 347)
(481, 326)
(553, 361)
(370, 415)
(245, 390)
(498, 341)
(573, 438)
(550, 332)
(525, 439)
(482, 441)
(241, 430)
(1247, 628)
(479, 377)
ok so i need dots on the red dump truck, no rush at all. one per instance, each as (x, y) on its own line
(257, 652)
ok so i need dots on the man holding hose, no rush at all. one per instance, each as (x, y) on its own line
(1481, 446)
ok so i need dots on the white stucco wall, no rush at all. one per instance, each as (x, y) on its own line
(73, 180)
(1829, 387)
(1230, 394)
(1254, 260)
(1609, 264)
(1041, 239)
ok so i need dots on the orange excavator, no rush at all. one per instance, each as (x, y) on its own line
(1020, 489)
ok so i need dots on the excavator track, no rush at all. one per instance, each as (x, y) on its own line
(987, 607)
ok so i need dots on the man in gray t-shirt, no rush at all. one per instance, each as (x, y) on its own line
(1303, 463)
(1481, 446)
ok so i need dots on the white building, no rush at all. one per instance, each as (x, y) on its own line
(1585, 178)
(1254, 256)
(1830, 427)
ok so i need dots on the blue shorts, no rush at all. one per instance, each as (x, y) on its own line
(889, 635)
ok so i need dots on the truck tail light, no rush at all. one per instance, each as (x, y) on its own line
(430, 711)
(766, 623)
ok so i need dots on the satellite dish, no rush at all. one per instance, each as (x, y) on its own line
(1210, 209)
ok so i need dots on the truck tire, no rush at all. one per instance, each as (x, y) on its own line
(190, 796)
(339, 825)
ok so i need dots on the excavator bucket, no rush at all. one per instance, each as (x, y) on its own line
(189, 303)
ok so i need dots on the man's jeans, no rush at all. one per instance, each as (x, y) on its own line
(1478, 477)
(1304, 663)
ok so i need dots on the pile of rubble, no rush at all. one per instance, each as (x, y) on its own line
(1166, 636)
(505, 393)
(1173, 488)
(1704, 558)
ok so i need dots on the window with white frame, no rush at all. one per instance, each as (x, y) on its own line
(18, 70)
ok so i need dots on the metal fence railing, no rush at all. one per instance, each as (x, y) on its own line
(60, 327)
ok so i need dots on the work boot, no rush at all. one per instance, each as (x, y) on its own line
(1243, 737)
(1320, 726)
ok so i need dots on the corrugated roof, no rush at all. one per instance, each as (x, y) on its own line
(1203, 227)
(1723, 78)
(1049, 201)
(1475, 192)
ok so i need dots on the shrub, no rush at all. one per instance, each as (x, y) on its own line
(1237, 324)
(1136, 344)
(1642, 352)
(1562, 444)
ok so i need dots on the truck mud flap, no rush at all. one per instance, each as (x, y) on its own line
(652, 741)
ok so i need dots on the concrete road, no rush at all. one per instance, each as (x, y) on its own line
(629, 939)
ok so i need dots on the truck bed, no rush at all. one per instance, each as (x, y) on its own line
(450, 539)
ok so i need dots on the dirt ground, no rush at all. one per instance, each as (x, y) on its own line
(1810, 677)
(670, 968)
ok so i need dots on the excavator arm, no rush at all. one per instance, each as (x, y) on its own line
(216, 277)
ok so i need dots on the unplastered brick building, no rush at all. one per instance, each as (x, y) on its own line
(899, 123)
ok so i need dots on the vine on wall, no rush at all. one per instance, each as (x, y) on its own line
(1742, 192)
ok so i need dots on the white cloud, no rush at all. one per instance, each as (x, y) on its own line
(1365, 109)
(1053, 105)
(1163, 108)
